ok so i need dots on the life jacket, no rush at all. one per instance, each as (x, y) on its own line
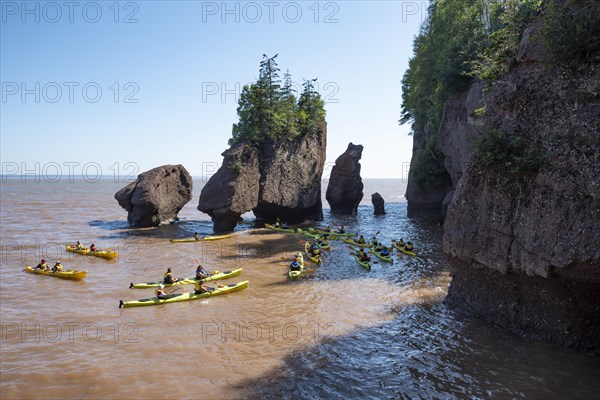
(159, 292)
(57, 268)
(168, 278)
(408, 247)
(361, 240)
(401, 242)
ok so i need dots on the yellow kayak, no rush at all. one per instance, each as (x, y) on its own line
(108, 254)
(354, 243)
(296, 274)
(316, 259)
(176, 297)
(205, 238)
(188, 281)
(402, 249)
(69, 274)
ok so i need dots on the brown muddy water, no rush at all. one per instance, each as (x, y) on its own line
(342, 332)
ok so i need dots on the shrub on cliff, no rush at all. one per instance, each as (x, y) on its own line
(269, 110)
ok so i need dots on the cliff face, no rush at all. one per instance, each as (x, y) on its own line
(423, 201)
(524, 246)
(279, 179)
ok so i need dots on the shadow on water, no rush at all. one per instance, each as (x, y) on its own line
(427, 352)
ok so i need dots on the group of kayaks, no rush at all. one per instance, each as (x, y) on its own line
(108, 254)
(169, 298)
(348, 238)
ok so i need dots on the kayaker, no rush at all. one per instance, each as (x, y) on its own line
(361, 239)
(160, 292)
(168, 278)
(314, 252)
(384, 251)
(57, 267)
(401, 242)
(42, 265)
(199, 288)
(378, 248)
(196, 236)
(363, 256)
(78, 246)
(93, 247)
(201, 273)
(341, 229)
(295, 266)
(409, 246)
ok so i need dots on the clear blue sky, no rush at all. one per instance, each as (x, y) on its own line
(168, 73)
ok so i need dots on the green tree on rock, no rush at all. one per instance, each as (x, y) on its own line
(268, 110)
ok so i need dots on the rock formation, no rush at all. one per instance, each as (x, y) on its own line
(233, 190)
(524, 246)
(290, 178)
(378, 204)
(156, 196)
(345, 189)
(279, 179)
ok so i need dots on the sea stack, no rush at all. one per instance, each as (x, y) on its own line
(345, 189)
(378, 204)
(156, 196)
(233, 190)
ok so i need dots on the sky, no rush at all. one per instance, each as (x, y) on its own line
(117, 88)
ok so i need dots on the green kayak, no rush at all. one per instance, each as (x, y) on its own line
(364, 264)
(382, 257)
(176, 297)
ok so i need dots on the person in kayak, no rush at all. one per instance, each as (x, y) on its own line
(196, 236)
(384, 251)
(295, 265)
(363, 256)
(78, 246)
(42, 265)
(314, 251)
(361, 239)
(93, 247)
(409, 246)
(341, 229)
(378, 247)
(199, 288)
(160, 292)
(277, 223)
(168, 278)
(57, 267)
(201, 273)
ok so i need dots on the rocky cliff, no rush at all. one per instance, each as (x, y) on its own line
(345, 188)
(156, 196)
(522, 228)
(275, 179)
(425, 198)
